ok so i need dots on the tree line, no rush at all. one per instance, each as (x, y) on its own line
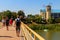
(29, 18)
(10, 14)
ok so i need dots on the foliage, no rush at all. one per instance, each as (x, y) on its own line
(57, 20)
(45, 26)
(21, 13)
(35, 18)
(10, 14)
(51, 20)
(31, 17)
(38, 19)
(7, 13)
(27, 20)
(14, 15)
(0, 17)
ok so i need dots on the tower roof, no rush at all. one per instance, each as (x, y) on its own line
(48, 6)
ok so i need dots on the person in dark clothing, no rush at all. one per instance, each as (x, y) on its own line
(7, 23)
(17, 22)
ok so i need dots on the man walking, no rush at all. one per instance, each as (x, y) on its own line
(18, 22)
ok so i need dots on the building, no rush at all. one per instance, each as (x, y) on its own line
(55, 15)
(42, 13)
(48, 14)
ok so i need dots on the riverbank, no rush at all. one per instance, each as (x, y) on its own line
(53, 27)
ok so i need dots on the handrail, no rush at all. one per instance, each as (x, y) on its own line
(26, 33)
(33, 32)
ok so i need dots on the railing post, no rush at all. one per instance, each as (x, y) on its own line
(23, 34)
(24, 37)
(30, 33)
(34, 37)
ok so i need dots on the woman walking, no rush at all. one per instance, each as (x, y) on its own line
(7, 23)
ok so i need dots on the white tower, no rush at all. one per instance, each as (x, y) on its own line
(48, 12)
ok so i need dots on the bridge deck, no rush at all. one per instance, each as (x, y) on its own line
(10, 35)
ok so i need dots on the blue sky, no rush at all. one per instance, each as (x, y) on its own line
(28, 6)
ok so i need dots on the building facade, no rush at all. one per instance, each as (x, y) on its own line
(42, 13)
(55, 15)
(48, 14)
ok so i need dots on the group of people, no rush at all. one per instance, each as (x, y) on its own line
(7, 22)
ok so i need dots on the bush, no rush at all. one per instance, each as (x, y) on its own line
(27, 21)
(57, 20)
(45, 26)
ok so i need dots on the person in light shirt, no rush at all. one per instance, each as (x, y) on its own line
(3, 21)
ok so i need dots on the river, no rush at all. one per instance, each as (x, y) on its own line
(50, 35)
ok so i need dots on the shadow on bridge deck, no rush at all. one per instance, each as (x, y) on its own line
(10, 35)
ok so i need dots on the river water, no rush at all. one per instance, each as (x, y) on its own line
(50, 35)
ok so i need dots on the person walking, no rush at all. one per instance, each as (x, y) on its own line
(18, 23)
(3, 21)
(11, 21)
(7, 23)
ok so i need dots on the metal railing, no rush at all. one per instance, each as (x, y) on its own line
(28, 33)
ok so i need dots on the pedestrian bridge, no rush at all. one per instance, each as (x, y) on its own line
(29, 34)
(26, 33)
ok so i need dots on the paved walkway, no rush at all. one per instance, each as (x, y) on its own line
(9, 35)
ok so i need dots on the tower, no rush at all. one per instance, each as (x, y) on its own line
(48, 12)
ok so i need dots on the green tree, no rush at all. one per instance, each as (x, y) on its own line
(51, 20)
(7, 13)
(21, 13)
(1, 15)
(31, 17)
(35, 18)
(14, 15)
(57, 20)
(38, 19)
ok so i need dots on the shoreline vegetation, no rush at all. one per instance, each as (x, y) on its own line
(36, 22)
(45, 27)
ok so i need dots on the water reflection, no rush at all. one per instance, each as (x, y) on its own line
(50, 35)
